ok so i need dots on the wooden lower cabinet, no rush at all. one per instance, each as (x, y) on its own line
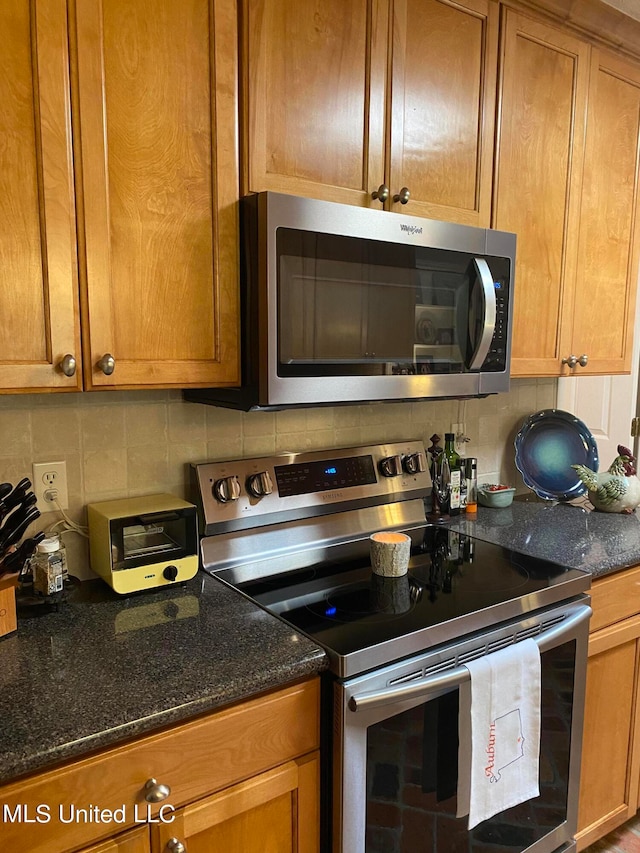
(610, 775)
(135, 841)
(239, 780)
(277, 810)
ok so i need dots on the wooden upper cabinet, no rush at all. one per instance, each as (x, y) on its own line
(608, 251)
(443, 91)
(158, 188)
(314, 77)
(38, 277)
(341, 98)
(540, 143)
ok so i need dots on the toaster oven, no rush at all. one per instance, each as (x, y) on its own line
(143, 542)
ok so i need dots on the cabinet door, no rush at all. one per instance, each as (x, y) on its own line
(314, 77)
(38, 280)
(158, 178)
(442, 107)
(278, 810)
(610, 767)
(135, 841)
(543, 94)
(603, 316)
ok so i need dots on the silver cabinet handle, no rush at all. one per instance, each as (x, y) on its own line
(454, 677)
(402, 196)
(583, 360)
(381, 194)
(107, 364)
(571, 361)
(154, 792)
(68, 365)
(173, 845)
(489, 322)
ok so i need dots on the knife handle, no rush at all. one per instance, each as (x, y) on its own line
(19, 532)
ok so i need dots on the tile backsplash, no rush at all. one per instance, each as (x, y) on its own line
(120, 444)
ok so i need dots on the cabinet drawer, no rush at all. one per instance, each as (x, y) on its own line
(193, 759)
(615, 597)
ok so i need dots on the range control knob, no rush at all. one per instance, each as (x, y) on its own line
(226, 489)
(390, 466)
(260, 484)
(170, 573)
(413, 463)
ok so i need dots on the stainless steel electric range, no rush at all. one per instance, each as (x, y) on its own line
(291, 532)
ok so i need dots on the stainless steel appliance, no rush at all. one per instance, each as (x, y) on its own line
(291, 532)
(346, 304)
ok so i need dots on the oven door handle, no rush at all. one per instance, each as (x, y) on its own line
(454, 677)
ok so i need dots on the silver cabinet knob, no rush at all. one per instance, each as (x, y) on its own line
(154, 792)
(173, 845)
(571, 361)
(381, 194)
(402, 196)
(260, 484)
(68, 365)
(226, 489)
(583, 360)
(107, 364)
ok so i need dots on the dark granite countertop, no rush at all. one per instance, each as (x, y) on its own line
(573, 535)
(105, 668)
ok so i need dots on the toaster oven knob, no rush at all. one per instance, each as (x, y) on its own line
(390, 466)
(260, 484)
(226, 489)
(170, 573)
(413, 463)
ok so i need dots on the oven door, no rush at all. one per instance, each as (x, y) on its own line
(395, 752)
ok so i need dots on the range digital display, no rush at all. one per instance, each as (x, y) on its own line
(308, 477)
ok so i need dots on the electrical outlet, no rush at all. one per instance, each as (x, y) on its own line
(50, 485)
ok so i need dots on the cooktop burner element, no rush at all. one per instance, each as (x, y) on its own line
(306, 559)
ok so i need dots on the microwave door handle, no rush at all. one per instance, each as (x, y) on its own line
(489, 306)
(455, 677)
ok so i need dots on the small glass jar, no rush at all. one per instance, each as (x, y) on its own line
(49, 567)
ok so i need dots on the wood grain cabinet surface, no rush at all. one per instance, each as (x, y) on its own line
(540, 139)
(610, 773)
(235, 778)
(147, 271)
(566, 182)
(341, 99)
(38, 263)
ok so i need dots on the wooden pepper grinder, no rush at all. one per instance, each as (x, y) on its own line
(439, 470)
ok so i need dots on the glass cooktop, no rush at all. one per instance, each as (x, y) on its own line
(455, 585)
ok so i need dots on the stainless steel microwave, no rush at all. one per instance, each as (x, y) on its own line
(346, 305)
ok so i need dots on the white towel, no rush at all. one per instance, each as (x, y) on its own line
(499, 732)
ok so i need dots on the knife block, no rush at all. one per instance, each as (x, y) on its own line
(8, 615)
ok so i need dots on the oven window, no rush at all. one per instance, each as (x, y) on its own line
(412, 761)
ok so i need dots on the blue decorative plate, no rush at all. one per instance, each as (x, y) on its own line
(548, 444)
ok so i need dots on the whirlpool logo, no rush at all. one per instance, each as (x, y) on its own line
(411, 229)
